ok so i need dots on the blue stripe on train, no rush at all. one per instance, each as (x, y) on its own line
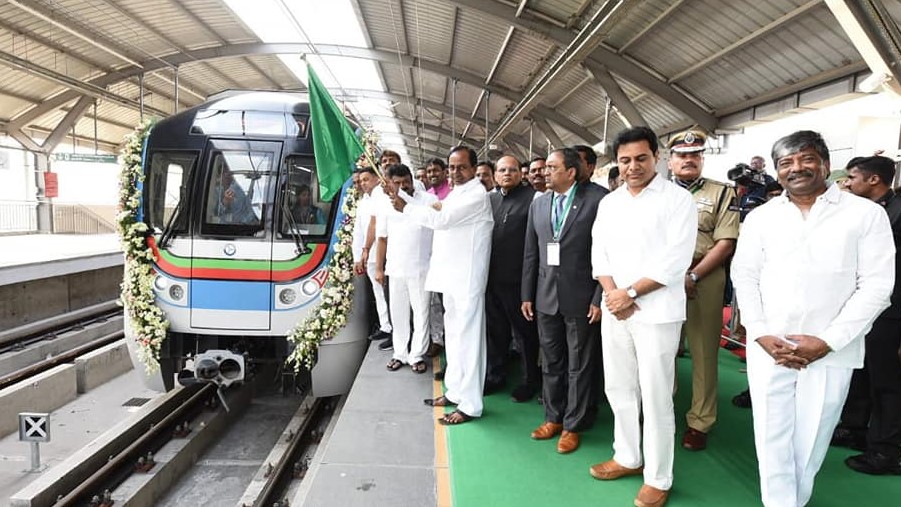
(231, 295)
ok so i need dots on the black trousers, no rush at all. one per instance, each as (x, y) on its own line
(571, 352)
(874, 399)
(505, 320)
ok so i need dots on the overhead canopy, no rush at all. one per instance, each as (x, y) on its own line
(517, 74)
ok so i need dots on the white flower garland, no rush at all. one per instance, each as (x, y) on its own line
(326, 320)
(147, 320)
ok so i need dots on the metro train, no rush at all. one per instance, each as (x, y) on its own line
(241, 239)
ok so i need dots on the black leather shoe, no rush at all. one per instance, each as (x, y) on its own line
(742, 399)
(386, 345)
(874, 463)
(844, 437)
(523, 393)
(379, 335)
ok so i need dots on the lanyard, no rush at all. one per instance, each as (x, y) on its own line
(558, 221)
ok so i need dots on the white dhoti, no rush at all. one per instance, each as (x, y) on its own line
(465, 348)
(408, 293)
(639, 368)
(795, 412)
(381, 304)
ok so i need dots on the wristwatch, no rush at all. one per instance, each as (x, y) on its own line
(632, 293)
(693, 276)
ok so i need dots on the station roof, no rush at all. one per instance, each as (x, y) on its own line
(519, 74)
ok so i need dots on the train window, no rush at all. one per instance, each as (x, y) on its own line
(298, 127)
(237, 192)
(165, 188)
(239, 123)
(302, 211)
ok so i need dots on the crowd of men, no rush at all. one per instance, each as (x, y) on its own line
(597, 289)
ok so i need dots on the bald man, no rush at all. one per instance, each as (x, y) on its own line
(510, 205)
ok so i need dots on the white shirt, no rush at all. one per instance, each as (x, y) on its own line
(409, 244)
(461, 245)
(650, 235)
(829, 275)
(367, 207)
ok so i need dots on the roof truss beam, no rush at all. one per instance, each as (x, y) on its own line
(648, 27)
(874, 34)
(601, 55)
(747, 39)
(617, 96)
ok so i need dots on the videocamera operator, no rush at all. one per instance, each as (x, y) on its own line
(751, 182)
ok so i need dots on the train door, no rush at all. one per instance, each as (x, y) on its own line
(231, 264)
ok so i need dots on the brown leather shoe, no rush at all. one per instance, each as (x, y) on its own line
(649, 496)
(610, 470)
(569, 442)
(694, 440)
(547, 430)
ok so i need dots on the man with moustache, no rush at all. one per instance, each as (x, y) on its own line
(813, 269)
(485, 174)
(642, 244)
(558, 292)
(423, 177)
(536, 175)
(436, 172)
(458, 269)
(510, 206)
(705, 281)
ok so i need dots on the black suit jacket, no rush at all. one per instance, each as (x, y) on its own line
(568, 288)
(511, 214)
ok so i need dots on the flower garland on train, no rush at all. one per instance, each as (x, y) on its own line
(148, 322)
(331, 315)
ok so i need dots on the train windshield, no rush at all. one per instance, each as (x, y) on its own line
(166, 189)
(303, 213)
(236, 195)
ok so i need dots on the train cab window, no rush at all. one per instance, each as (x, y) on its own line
(239, 123)
(298, 127)
(236, 194)
(302, 212)
(166, 188)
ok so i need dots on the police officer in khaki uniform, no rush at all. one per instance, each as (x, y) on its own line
(706, 279)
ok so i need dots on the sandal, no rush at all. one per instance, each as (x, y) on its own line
(394, 365)
(440, 401)
(419, 367)
(454, 418)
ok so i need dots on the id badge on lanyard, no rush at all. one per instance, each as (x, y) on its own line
(553, 254)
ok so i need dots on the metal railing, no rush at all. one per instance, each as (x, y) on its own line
(78, 219)
(18, 216)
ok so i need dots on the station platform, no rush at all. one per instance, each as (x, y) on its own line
(388, 450)
(28, 257)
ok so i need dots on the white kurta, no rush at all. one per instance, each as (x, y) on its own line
(407, 263)
(367, 208)
(649, 235)
(461, 247)
(828, 275)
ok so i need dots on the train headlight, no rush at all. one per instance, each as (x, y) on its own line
(176, 292)
(160, 283)
(287, 296)
(309, 287)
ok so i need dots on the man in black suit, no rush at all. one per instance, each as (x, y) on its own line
(557, 288)
(510, 206)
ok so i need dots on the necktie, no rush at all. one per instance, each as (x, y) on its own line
(560, 199)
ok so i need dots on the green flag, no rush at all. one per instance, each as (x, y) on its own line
(334, 143)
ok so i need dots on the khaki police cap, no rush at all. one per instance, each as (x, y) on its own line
(688, 141)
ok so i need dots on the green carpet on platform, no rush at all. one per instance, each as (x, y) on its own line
(494, 462)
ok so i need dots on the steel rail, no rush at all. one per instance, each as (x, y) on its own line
(16, 334)
(65, 357)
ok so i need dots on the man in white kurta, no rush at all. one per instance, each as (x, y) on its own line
(404, 250)
(813, 269)
(461, 247)
(643, 240)
(371, 203)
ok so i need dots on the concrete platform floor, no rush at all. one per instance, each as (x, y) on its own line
(381, 452)
(72, 426)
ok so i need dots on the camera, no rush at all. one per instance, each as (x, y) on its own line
(745, 175)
